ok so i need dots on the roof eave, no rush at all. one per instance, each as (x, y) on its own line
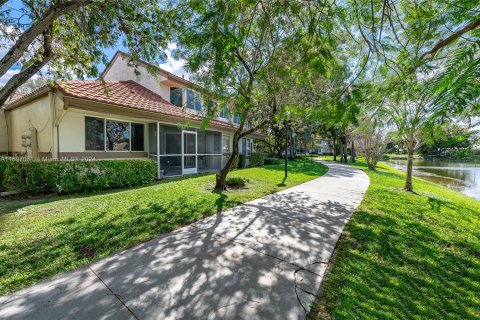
(27, 98)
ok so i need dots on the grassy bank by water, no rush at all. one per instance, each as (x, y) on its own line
(406, 256)
(40, 238)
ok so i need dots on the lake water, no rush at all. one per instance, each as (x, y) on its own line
(461, 176)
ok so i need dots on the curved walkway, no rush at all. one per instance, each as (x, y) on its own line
(261, 260)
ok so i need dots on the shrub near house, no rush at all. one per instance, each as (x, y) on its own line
(257, 159)
(34, 176)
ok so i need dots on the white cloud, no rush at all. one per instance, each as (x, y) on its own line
(10, 73)
(177, 67)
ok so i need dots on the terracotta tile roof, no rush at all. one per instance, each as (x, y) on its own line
(128, 94)
(14, 97)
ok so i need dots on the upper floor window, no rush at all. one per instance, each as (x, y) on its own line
(224, 112)
(176, 97)
(236, 118)
(194, 100)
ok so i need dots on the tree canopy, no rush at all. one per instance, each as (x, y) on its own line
(69, 37)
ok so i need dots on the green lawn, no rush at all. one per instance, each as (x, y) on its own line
(40, 238)
(407, 256)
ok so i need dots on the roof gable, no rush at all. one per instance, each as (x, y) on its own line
(170, 78)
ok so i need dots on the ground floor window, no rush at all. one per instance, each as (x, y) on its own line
(94, 134)
(111, 135)
(137, 140)
(118, 135)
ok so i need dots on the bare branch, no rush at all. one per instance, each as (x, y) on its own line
(445, 42)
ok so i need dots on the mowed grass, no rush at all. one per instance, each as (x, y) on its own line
(40, 238)
(407, 256)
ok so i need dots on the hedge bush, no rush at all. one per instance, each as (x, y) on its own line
(272, 161)
(257, 159)
(33, 177)
(236, 182)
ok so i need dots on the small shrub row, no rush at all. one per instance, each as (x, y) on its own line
(33, 177)
(236, 182)
(257, 159)
(272, 161)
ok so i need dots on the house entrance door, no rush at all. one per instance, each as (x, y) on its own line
(189, 152)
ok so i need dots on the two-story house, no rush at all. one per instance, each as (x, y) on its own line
(131, 115)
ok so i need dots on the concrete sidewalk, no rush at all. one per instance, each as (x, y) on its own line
(261, 260)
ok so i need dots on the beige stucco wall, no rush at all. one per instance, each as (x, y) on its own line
(36, 114)
(121, 71)
(3, 133)
(71, 131)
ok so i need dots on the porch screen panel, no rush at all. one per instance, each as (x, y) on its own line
(209, 151)
(152, 139)
(225, 148)
(170, 151)
(152, 142)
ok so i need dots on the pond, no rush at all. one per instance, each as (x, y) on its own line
(460, 176)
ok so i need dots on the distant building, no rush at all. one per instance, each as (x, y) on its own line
(323, 146)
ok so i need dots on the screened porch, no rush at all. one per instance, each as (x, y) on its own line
(184, 151)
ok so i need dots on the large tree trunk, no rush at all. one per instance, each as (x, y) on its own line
(345, 153)
(222, 175)
(408, 179)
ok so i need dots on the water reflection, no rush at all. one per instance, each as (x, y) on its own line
(461, 176)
